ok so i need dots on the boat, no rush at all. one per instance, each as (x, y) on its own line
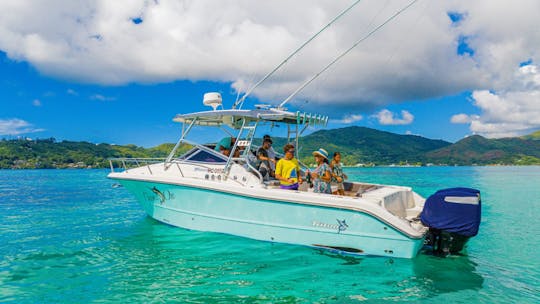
(203, 189)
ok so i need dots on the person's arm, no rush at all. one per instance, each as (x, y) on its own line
(263, 155)
(281, 178)
(327, 177)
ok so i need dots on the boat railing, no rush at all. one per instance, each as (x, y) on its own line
(126, 163)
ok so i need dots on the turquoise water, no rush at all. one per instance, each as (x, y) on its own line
(68, 236)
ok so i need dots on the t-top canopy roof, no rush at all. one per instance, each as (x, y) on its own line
(233, 118)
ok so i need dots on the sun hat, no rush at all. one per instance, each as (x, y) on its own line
(322, 152)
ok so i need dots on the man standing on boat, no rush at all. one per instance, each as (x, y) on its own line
(265, 163)
(271, 154)
(287, 169)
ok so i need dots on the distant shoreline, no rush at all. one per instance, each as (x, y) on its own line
(359, 147)
(346, 167)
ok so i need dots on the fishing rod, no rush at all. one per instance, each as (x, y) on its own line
(344, 53)
(240, 102)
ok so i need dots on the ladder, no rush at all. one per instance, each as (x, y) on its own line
(243, 139)
(292, 137)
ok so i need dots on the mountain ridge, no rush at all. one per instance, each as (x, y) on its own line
(358, 145)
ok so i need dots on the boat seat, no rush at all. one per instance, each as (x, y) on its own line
(363, 190)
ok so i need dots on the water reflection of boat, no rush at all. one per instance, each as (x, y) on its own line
(437, 275)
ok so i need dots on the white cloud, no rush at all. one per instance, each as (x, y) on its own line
(102, 97)
(348, 119)
(386, 117)
(36, 103)
(510, 112)
(15, 126)
(238, 41)
(461, 118)
(72, 92)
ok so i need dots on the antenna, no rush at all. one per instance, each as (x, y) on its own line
(240, 102)
(344, 53)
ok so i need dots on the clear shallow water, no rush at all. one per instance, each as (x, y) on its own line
(67, 236)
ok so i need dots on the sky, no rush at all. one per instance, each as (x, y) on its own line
(118, 71)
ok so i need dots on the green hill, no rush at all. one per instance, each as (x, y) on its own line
(47, 153)
(357, 145)
(365, 145)
(533, 136)
(482, 151)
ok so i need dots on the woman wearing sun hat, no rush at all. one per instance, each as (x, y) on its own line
(322, 175)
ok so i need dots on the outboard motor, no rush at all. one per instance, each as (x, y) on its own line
(453, 216)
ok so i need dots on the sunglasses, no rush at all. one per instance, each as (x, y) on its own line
(290, 151)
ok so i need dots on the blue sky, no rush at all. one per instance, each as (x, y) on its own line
(142, 113)
(119, 72)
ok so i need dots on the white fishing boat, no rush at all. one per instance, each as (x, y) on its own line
(203, 189)
(206, 190)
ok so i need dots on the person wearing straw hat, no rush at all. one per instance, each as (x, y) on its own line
(322, 175)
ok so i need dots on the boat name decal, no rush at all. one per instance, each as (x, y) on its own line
(340, 226)
(158, 195)
(210, 170)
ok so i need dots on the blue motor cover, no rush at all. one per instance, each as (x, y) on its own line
(455, 210)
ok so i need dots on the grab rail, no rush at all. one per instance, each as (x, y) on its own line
(146, 162)
(137, 161)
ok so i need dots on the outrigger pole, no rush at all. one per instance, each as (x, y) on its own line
(344, 53)
(240, 102)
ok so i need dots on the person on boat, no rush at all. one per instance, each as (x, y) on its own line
(224, 145)
(322, 175)
(338, 177)
(271, 153)
(264, 160)
(287, 169)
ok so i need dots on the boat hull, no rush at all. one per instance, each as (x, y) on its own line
(257, 218)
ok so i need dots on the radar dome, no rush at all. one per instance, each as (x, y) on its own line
(212, 99)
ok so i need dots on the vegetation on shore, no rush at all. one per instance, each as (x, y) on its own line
(48, 153)
(358, 145)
